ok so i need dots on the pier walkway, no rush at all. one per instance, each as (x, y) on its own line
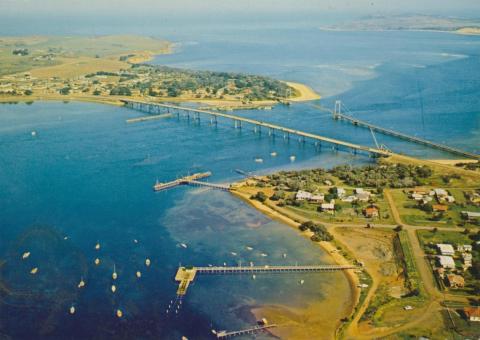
(337, 115)
(186, 275)
(257, 125)
(253, 330)
(191, 180)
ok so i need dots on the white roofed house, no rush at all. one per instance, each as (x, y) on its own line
(329, 207)
(446, 262)
(303, 195)
(317, 198)
(446, 249)
(340, 192)
(363, 196)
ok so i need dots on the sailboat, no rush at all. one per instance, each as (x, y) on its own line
(114, 275)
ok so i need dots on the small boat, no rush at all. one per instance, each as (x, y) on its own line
(233, 253)
(302, 282)
(34, 271)
(224, 264)
(183, 245)
(254, 276)
(139, 274)
(147, 262)
(119, 313)
(210, 265)
(65, 238)
(135, 241)
(114, 275)
(72, 310)
(273, 154)
(292, 158)
(251, 264)
(97, 261)
(284, 255)
(26, 255)
(264, 255)
(97, 246)
(113, 288)
(81, 284)
(34, 133)
(249, 248)
(258, 160)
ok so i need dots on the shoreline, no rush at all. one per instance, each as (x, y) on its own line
(306, 93)
(328, 247)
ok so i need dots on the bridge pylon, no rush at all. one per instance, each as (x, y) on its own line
(338, 109)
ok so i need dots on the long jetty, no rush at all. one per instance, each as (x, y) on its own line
(186, 275)
(357, 122)
(252, 330)
(191, 180)
(157, 108)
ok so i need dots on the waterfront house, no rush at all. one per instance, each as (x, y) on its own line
(329, 207)
(363, 196)
(446, 249)
(440, 193)
(303, 195)
(370, 212)
(455, 281)
(446, 262)
(472, 313)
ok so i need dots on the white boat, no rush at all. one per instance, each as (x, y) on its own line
(233, 253)
(147, 262)
(113, 288)
(264, 255)
(258, 160)
(273, 154)
(114, 274)
(292, 158)
(135, 241)
(81, 284)
(183, 245)
(302, 282)
(249, 248)
(34, 271)
(254, 276)
(97, 246)
(284, 255)
(34, 133)
(119, 313)
(97, 261)
(72, 310)
(26, 255)
(139, 274)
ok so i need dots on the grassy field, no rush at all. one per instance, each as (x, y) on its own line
(51, 51)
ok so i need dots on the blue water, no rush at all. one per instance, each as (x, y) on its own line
(87, 176)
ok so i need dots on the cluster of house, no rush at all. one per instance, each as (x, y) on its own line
(359, 195)
(316, 198)
(441, 196)
(446, 263)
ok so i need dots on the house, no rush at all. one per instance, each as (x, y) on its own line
(318, 198)
(446, 249)
(370, 212)
(472, 313)
(340, 192)
(328, 206)
(349, 199)
(440, 207)
(471, 215)
(416, 197)
(446, 262)
(358, 190)
(450, 199)
(363, 196)
(440, 193)
(303, 195)
(464, 248)
(328, 182)
(455, 281)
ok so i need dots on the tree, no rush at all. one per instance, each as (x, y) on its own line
(434, 230)
(306, 225)
(97, 92)
(260, 196)
(65, 91)
(28, 92)
(398, 228)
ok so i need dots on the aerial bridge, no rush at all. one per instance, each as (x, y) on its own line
(338, 115)
(238, 122)
(252, 330)
(186, 275)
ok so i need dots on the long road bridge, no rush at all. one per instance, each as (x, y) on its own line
(157, 108)
(252, 330)
(338, 115)
(186, 275)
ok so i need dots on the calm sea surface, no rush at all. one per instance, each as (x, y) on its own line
(86, 177)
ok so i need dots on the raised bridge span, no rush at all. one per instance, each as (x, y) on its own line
(157, 108)
(337, 115)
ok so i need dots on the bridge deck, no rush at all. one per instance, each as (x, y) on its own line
(283, 129)
(225, 334)
(358, 122)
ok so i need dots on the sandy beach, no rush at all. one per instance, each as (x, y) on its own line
(306, 92)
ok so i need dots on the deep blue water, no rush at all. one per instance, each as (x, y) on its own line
(87, 176)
